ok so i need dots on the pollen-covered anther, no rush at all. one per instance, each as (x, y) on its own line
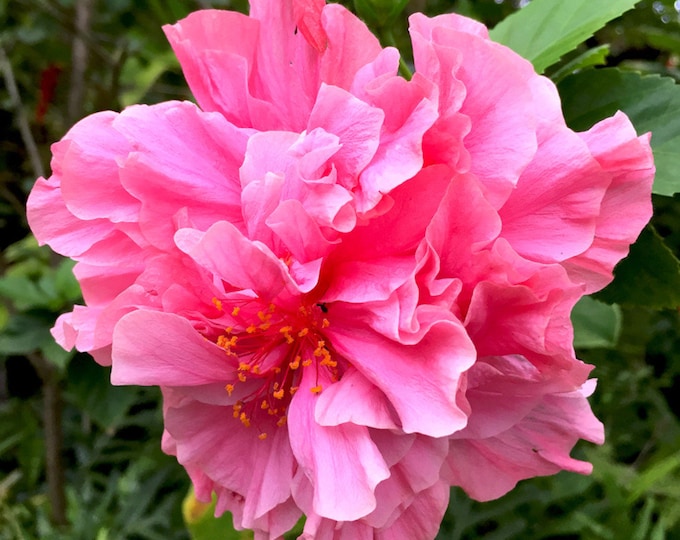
(325, 323)
(242, 377)
(281, 421)
(295, 364)
(264, 404)
(217, 303)
(303, 332)
(316, 389)
(229, 388)
(278, 394)
(286, 330)
(235, 311)
(237, 408)
(227, 343)
(243, 417)
(262, 436)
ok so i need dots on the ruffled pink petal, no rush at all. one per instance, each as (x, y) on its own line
(368, 281)
(416, 471)
(53, 224)
(342, 462)
(464, 224)
(297, 230)
(458, 56)
(193, 165)
(538, 445)
(89, 168)
(232, 257)
(389, 234)
(421, 519)
(235, 458)
(399, 157)
(351, 46)
(307, 14)
(356, 124)
(502, 390)
(626, 206)
(420, 380)
(216, 50)
(530, 320)
(354, 399)
(162, 349)
(552, 214)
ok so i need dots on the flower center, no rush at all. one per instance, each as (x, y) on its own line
(273, 347)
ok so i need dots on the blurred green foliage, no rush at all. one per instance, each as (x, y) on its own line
(117, 482)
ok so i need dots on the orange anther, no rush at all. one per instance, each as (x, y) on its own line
(217, 303)
(235, 311)
(229, 388)
(241, 377)
(281, 421)
(303, 332)
(251, 329)
(316, 389)
(325, 323)
(278, 394)
(262, 436)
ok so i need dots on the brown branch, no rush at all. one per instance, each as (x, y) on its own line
(79, 60)
(52, 412)
(22, 119)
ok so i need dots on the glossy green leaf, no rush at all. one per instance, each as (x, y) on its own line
(545, 30)
(649, 276)
(651, 102)
(597, 56)
(595, 324)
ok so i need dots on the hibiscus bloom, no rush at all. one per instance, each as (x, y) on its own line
(354, 290)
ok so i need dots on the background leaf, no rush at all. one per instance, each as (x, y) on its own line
(595, 324)
(649, 276)
(544, 30)
(651, 102)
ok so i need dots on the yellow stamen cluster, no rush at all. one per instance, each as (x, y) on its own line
(252, 340)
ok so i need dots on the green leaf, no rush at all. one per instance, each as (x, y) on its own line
(596, 56)
(24, 333)
(649, 276)
(544, 30)
(138, 77)
(379, 13)
(595, 324)
(90, 388)
(56, 355)
(657, 472)
(651, 102)
(660, 38)
(23, 292)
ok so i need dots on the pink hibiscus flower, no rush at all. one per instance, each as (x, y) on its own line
(353, 289)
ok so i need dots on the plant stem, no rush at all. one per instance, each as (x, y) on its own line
(52, 409)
